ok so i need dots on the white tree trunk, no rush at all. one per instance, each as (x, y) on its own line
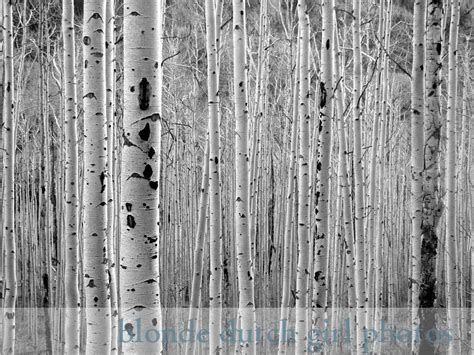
(417, 143)
(243, 249)
(324, 154)
(140, 177)
(358, 178)
(111, 178)
(96, 280)
(71, 201)
(302, 269)
(451, 262)
(10, 282)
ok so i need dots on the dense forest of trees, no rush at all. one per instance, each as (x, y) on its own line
(221, 176)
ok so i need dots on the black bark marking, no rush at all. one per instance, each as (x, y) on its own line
(145, 132)
(134, 13)
(128, 143)
(136, 176)
(131, 221)
(129, 329)
(154, 117)
(102, 182)
(328, 44)
(151, 153)
(438, 48)
(144, 94)
(148, 172)
(128, 206)
(322, 95)
(95, 16)
(91, 284)
(86, 40)
(90, 95)
(153, 184)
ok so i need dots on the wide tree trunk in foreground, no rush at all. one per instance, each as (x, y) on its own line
(140, 176)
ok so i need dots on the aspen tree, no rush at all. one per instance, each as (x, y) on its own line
(2, 66)
(71, 201)
(8, 217)
(95, 169)
(289, 215)
(324, 154)
(451, 291)
(471, 246)
(241, 212)
(358, 174)
(215, 299)
(196, 283)
(111, 180)
(140, 176)
(302, 273)
(417, 143)
(432, 133)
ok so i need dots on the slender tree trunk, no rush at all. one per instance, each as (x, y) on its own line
(431, 203)
(140, 179)
(10, 283)
(71, 201)
(417, 159)
(324, 155)
(95, 170)
(451, 261)
(2, 67)
(111, 178)
(215, 297)
(358, 177)
(302, 273)
(243, 249)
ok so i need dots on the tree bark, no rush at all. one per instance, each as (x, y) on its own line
(71, 201)
(302, 269)
(451, 261)
(140, 178)
(245, 272)
(9, 238)
(431, 204)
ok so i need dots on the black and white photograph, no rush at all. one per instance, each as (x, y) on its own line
(253, 177)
